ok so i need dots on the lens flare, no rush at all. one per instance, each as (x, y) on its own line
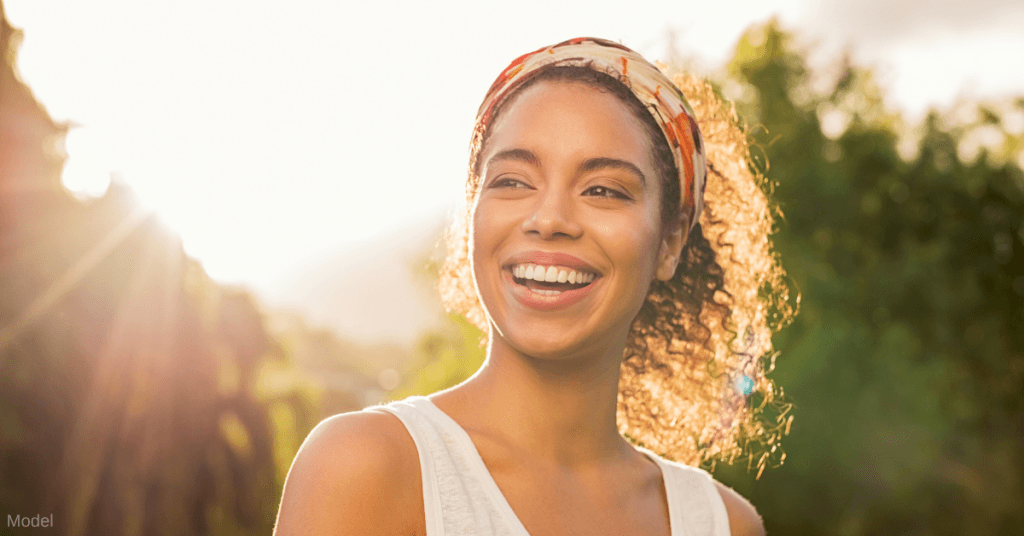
(745, 385)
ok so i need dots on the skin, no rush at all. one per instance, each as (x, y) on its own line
(541, 411)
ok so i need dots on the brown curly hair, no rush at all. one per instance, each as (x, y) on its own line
(691, 387)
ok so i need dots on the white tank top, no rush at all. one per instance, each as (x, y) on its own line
(461, 498)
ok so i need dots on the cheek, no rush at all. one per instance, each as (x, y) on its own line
(493, 219)
(486, 228)
(634, 242)
(481, 226)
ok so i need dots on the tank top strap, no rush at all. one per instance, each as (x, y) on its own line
(425, 440)
(695, 505)
(456, 496)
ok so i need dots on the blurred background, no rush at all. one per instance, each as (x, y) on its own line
(219, 224)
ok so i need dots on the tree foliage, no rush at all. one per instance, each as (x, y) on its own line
(136, 395)
(906, 365)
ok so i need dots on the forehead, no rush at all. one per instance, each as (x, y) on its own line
(569, 118)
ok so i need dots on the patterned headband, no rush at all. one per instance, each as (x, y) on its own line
(661, 97)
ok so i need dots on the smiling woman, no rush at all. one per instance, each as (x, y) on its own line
(612, 276)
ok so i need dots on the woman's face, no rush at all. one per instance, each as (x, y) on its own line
(569, 195)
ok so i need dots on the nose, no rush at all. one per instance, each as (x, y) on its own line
(553, 215)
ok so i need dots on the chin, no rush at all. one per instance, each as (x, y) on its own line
(551, 343)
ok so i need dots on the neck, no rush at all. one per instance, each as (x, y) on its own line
(560, 410)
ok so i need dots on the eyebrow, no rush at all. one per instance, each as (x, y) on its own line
(519, 155)
(593, 164)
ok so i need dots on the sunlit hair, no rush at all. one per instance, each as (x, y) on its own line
(693, 383)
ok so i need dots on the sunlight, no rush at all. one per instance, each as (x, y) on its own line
(259, 152)
(88, 167)
(67, 281)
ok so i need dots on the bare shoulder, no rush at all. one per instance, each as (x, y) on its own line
(356, 473)
(743, 518)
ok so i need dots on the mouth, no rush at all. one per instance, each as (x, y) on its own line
(550, 280)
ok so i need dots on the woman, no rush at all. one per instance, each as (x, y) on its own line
(585, 195)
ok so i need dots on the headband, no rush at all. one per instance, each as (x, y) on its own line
(659, 95)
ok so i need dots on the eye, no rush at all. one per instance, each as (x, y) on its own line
(507, 182)
(604, 191)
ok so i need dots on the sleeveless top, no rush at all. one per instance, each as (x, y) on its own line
(461, 498)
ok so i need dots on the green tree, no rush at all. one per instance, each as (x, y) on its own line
(906, 364)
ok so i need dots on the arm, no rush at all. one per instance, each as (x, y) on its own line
(355, 474)
(743, 518)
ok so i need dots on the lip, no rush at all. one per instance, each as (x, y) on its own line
(552, 259)
(541, 302)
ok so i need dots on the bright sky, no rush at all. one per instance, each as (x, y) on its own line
(270, 132)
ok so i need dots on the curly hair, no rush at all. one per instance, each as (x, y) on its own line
(692, 388)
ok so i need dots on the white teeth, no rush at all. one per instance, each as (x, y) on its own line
(551, 274)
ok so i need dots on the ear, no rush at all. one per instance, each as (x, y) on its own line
(671, 250)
